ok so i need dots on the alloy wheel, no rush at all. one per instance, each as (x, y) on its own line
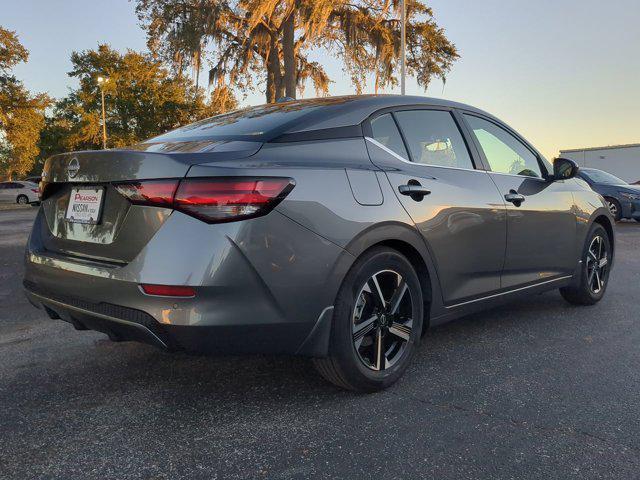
(597, 264)
(613, 208)
(382, 322)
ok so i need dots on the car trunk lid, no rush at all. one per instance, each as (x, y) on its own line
(123, 229)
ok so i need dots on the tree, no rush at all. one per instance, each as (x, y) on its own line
(21, 113)
(143, 99)
(273, 40)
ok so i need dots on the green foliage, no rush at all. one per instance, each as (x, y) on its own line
(21, 113)
(142, 99)
(271, 40)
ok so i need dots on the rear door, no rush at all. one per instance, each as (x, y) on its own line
(454, 205)
(541, 222)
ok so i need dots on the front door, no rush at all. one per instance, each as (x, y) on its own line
(456, 207)
(541, 222)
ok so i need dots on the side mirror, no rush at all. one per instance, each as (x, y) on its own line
(564, 169)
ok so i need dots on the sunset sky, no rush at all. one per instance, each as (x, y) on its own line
(565, 73)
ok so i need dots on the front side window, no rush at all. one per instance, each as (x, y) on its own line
(503, 151)
(385, 131)
(434, 138)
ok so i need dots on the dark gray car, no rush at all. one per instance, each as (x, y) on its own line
(623, 199)
(335, 228)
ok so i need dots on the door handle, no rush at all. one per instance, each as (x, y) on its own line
(414, 190)
(514, 197)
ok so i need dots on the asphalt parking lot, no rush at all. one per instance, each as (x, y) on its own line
(538, 389)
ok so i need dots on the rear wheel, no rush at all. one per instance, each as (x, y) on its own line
(614, 208)
(596, 263)
(22, 199)
(376, 324)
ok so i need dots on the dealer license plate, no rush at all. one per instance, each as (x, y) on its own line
(85, 205)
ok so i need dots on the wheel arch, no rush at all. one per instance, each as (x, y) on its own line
(406, 240)
(604, 220)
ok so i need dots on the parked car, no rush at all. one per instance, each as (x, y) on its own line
(21, 192)
(33, 179)
(335, 228)
(623, 199)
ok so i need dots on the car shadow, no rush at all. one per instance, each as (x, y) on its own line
(105, 368)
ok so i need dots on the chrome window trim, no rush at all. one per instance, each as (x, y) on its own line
(516, 175)
(398, 157)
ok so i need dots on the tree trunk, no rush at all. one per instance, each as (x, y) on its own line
(197, 65)
(274, 74)
(288, 50)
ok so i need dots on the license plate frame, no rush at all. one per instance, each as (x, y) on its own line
(89, 195)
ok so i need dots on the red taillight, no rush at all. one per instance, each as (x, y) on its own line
(168, 291)
(229, 199)
(213, 200)
(35, 190)
(158, 193)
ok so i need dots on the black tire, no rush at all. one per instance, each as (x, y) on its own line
(614, 208)
(584, 293)
(347, 366)
(22, 200)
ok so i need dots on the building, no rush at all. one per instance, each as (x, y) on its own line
(623, 161)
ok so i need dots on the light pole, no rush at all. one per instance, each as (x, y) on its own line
(403, 36)
(101, 82)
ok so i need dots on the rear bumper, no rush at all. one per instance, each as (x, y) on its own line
(261, 287)
(128, 324)
(119, 323)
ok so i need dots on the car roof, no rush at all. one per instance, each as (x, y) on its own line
(286, 120)
(341, 111)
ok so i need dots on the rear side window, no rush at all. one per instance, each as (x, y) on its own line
(434, 138)
(385, 131)
(504, 152)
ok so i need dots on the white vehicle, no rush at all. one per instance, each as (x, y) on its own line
(21, 192)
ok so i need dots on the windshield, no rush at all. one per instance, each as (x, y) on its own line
(598, 176)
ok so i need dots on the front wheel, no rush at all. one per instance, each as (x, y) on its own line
(377, 323)
(614, 208)
(596, 265)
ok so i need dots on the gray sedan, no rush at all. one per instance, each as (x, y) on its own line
(336, 228)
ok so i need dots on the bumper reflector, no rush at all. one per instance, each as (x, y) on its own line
(168, 291)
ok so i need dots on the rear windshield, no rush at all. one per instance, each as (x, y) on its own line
(252, 124)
